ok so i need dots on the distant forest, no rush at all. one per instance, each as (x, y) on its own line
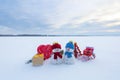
(35, 35)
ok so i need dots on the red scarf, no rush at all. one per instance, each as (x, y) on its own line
(57, 54)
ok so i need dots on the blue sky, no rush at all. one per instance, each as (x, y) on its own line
(69, 17)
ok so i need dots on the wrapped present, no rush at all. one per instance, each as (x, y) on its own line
(38, 59)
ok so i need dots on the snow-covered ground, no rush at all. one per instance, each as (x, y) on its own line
(15, 51)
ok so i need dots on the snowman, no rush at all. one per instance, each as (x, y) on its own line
(69, 53)
(56, 57)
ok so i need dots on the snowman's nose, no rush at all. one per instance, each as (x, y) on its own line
(68, 49)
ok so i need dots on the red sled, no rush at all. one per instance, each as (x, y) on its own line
(87, 54)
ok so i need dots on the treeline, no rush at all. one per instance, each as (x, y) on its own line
(33, 35)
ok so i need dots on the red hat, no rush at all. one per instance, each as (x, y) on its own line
(56, 45)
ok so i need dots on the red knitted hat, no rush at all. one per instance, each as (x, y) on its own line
(56, 45)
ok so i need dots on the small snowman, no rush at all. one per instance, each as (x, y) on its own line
(69, 53)
(56, 57)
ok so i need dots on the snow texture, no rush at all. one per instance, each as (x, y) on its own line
(15, 51)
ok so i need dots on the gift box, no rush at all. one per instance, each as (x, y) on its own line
(37, 59)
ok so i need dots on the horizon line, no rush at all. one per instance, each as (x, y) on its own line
(52, 35)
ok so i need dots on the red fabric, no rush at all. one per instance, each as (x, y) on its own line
(57, 54)
(46, 50)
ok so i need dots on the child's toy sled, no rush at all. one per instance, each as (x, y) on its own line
(87, 54)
